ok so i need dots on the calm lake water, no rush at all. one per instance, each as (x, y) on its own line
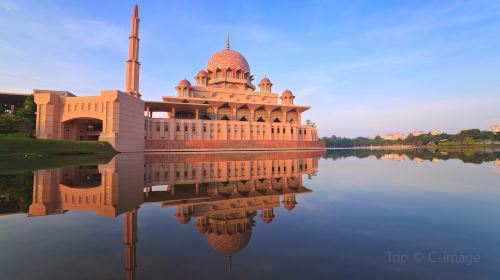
(340, 214)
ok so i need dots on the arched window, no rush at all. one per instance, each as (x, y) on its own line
(243, 113)
(261, 115)
(229, 73)
(225, 113)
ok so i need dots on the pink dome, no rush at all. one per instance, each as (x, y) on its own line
(228, 59)
(201, 228)
(228, 244)
(267, 220)
(202, 73)
(265, 80)
(289, 205)
(184, 83)
(287, 93)
(183, 219)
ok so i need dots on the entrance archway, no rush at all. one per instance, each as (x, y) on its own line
(82, 129)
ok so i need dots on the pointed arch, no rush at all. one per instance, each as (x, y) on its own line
(261, 113)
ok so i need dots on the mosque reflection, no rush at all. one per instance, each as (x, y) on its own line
(222, 193)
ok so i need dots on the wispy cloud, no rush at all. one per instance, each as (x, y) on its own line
(8, 5)
(430, 18)
(94, 32)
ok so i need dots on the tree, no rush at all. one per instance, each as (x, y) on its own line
(310, 123)
(3, 109)
(468, 140)
(27, 114)
(9, 124)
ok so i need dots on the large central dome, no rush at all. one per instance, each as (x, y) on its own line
(228, 244)
(228, 59)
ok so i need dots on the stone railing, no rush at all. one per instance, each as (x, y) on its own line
(243, 145)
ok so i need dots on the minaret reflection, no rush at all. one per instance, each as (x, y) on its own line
(222, 193)
(129, 240)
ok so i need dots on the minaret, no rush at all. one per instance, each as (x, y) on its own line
(132, 72)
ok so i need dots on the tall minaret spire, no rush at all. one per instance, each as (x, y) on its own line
(227, 41)
(132, 71)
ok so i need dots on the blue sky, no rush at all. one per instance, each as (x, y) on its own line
(365, 67)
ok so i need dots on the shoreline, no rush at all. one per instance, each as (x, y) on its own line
(412, 147)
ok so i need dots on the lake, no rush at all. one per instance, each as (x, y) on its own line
(339, 214)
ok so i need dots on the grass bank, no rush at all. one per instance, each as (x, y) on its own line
(18, 146)
(21, 165)
(19, 154)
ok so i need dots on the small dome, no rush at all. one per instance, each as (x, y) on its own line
(184, 83)
(228, 59)
(287, 92)
(228, 244)
(289, 205)
(202, 73)
(183, 219)
(265, 80)
(201, 228)
(267, 220)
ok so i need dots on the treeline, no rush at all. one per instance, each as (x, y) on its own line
(465, 137)
(466, 155)
(21, 120)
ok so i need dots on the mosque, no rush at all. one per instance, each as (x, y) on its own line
(220, 110)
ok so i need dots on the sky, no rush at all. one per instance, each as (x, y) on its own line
(365, 67)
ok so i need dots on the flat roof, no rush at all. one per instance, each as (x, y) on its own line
(161, 106)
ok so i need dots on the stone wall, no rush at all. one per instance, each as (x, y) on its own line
(197, 129)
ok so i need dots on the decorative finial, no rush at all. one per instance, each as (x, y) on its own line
(136, 11)
(227, 41)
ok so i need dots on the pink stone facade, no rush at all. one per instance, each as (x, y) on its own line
(113, 116)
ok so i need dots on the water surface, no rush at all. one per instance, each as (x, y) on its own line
(342, 214)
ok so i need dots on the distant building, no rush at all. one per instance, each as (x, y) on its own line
(417, 133)
(12, 101)
(435, 132)
(396, 157)
(393, 136)
(495, 128)
(419, 160)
